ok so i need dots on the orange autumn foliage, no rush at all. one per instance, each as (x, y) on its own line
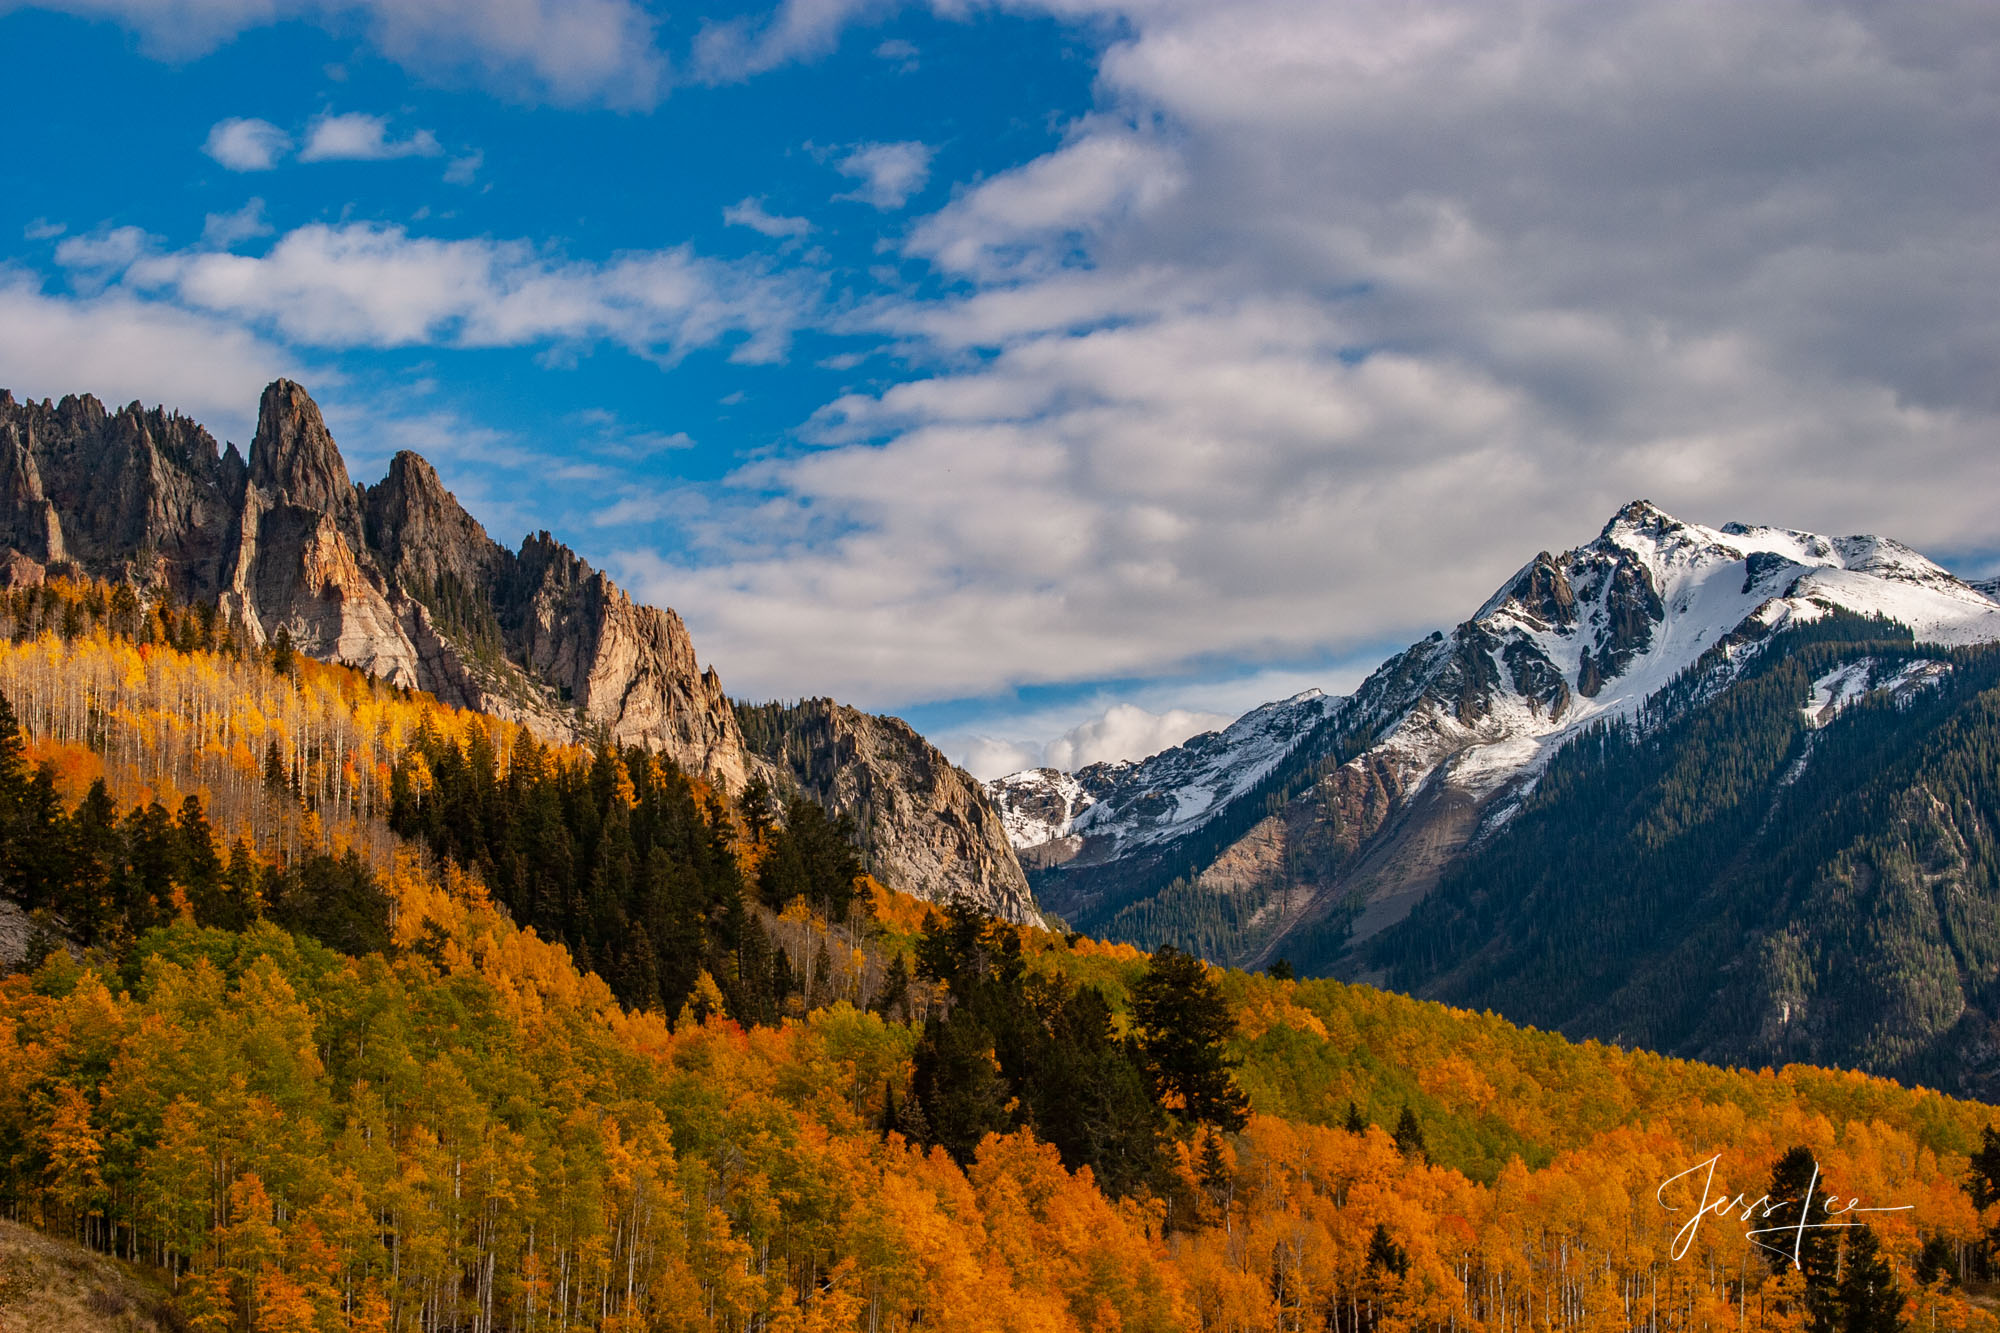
(467, 1132)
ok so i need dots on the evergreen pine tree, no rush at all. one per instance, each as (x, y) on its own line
(1180, 1021)
(1215, 1176)
(893, 1001)
(240, 902)
(13, 771)
(43, 941)
(1936, 1263)
(888, 1121)
(1410, 1135)
(756, 807)
(955, 1081)
(1795, 1190)
(1982, 1180)
(86, 902)
(911, 1122)
(1385, 1255)
(42, 860)
(1868, 1297)
(201, 863)
(124, 611)
(275, 780)
(1078, 1083)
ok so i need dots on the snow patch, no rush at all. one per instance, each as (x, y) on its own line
(1839, 688)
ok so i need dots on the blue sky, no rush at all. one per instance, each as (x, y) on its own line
(1065, 375)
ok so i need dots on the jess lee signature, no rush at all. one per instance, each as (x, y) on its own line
(1763, 1209)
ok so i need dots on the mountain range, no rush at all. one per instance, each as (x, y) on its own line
(1319, 829)
(1717, 791)
(397, 579)
(330, 1003)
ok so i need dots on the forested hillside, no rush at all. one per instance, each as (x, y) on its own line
(1801, 865)
(322, 1064)
(641, 869)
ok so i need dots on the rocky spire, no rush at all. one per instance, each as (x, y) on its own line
(293, 456)
(115, 493)
(28, 522)
(423, 535)
(399, 580)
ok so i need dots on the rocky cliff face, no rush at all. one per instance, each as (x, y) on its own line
(135, 493)
(1337, 822)
(396, 579)
(424, 537)
(628, 668)
(299, 560)
(399, 580)
(930, 828)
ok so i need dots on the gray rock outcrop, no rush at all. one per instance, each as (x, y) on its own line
(397, 579)
(930, 828)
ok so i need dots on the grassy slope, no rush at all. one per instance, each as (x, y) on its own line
(50, 1285)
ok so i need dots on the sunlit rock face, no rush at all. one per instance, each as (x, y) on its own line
(397, 579)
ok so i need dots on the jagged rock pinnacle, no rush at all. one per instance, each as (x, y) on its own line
(400, 581)
(294, 456)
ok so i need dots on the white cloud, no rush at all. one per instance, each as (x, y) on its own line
(889, 172)
(987, 758)
(1047, 210)
(797, 30)
(100, 256)
(1109, 505)
(1330, 316)
(608, 435)
(567, 51)
(41, 229)
(373, 286)
(122, 348)
(356, 136)
(1122, 731)
(464, 170)
(899, 53)
(222, 231)
(750, 213)
(1126, 731)
(247, 144)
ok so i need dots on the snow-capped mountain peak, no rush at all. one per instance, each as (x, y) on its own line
(1597, 631)
(1586, 635)
(1105, 810)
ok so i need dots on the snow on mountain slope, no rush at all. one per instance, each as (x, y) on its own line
(1623, 616)
(1461, 723)
(1107, 810)
(1853, 681)
(1040, 805)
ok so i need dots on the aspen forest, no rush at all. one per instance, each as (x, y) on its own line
(344, 1010)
